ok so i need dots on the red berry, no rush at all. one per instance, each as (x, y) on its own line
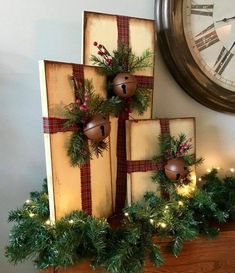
(78, 101)
(95, 43)
(126, 109)
(100, 53)
(100, 46)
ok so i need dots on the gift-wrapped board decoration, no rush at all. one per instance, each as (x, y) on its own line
(139, 35)
(89, 187)
(142, 146)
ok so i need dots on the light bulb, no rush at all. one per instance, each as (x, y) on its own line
(232, 170)
(48, 222)
(31, 215)
(151, 221)
(71, 221)
(126, 214)
(208, 170)
(162, 225)
(28, 201)
(180, 203)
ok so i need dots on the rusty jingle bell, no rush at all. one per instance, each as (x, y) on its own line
(124, 85)
(176, 169)
(98, 128)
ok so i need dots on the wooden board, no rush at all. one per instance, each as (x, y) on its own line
(64, 181)
(143, 144)
(199, 256)
(103, 29)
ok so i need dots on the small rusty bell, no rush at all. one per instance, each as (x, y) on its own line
(124, 85)
(98, 128)
(176, 169)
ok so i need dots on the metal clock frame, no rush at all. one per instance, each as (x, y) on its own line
(183, 67)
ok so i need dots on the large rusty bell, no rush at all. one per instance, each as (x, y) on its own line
(176, 169)
(98, 128)
(124, 85)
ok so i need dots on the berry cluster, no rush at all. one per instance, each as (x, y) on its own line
(183, 147)
(82, 103)
(103, 52)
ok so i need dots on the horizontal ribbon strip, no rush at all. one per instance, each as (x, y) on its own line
(55, 125)
(144, 166)
(145, 81)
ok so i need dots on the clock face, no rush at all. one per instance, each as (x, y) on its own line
(209, 27)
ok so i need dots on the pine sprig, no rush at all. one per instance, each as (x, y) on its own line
(123, 59)
(78, 114)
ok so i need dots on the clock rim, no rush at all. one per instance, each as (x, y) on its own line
(174, 49)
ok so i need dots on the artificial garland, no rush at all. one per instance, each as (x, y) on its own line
(87, 113)
(119, 65)
(124, 249)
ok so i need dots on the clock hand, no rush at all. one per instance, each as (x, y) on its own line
(225, 20)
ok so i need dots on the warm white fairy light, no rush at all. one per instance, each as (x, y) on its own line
(199, 179)
(48, 222)
(208, 170)
(162, 225)
(218, 168)
(31, 215)
(126, 214)
(151, 221)
(193, 189)
(232, 170)
(71, 221)
(166, 207)
(28, 201)
(180, 203)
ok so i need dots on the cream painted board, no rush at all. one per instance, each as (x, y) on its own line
(143, 144)
(63, 180)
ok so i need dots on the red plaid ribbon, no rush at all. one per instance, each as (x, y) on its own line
(122, 165)
(121, 180)
(56, 125)
(165, 126)
(123, 30)
(78, 74)
(86, 187)
(145, 81)
(143, 166)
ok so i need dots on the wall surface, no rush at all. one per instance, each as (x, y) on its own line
(47, 29)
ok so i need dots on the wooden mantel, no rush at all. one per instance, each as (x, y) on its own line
(199, 256)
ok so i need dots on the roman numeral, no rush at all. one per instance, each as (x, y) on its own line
(208, 37)
(205, 10)
(223, 60)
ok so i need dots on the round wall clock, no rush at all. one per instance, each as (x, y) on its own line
(197, 41)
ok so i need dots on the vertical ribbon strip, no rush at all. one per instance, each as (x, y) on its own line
(78, 74)
(121, 179)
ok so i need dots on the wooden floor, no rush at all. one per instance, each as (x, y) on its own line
(199, 256)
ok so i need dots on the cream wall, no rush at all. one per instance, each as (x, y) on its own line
(51, 29)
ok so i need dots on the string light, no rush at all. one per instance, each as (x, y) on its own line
(151, 221)
(71, 221)
(31, 215)
(166, 207)
(199, 179)
(162, 225)
(232, 170)
(28, 201)
(218, 168)
(48, 222)
(180, 203)
(126, 214)
(208, 170)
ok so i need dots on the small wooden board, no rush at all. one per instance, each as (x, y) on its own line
(64, 181)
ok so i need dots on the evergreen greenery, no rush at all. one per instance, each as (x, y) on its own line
(123, 59)
(79, 236)
(86, 106)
